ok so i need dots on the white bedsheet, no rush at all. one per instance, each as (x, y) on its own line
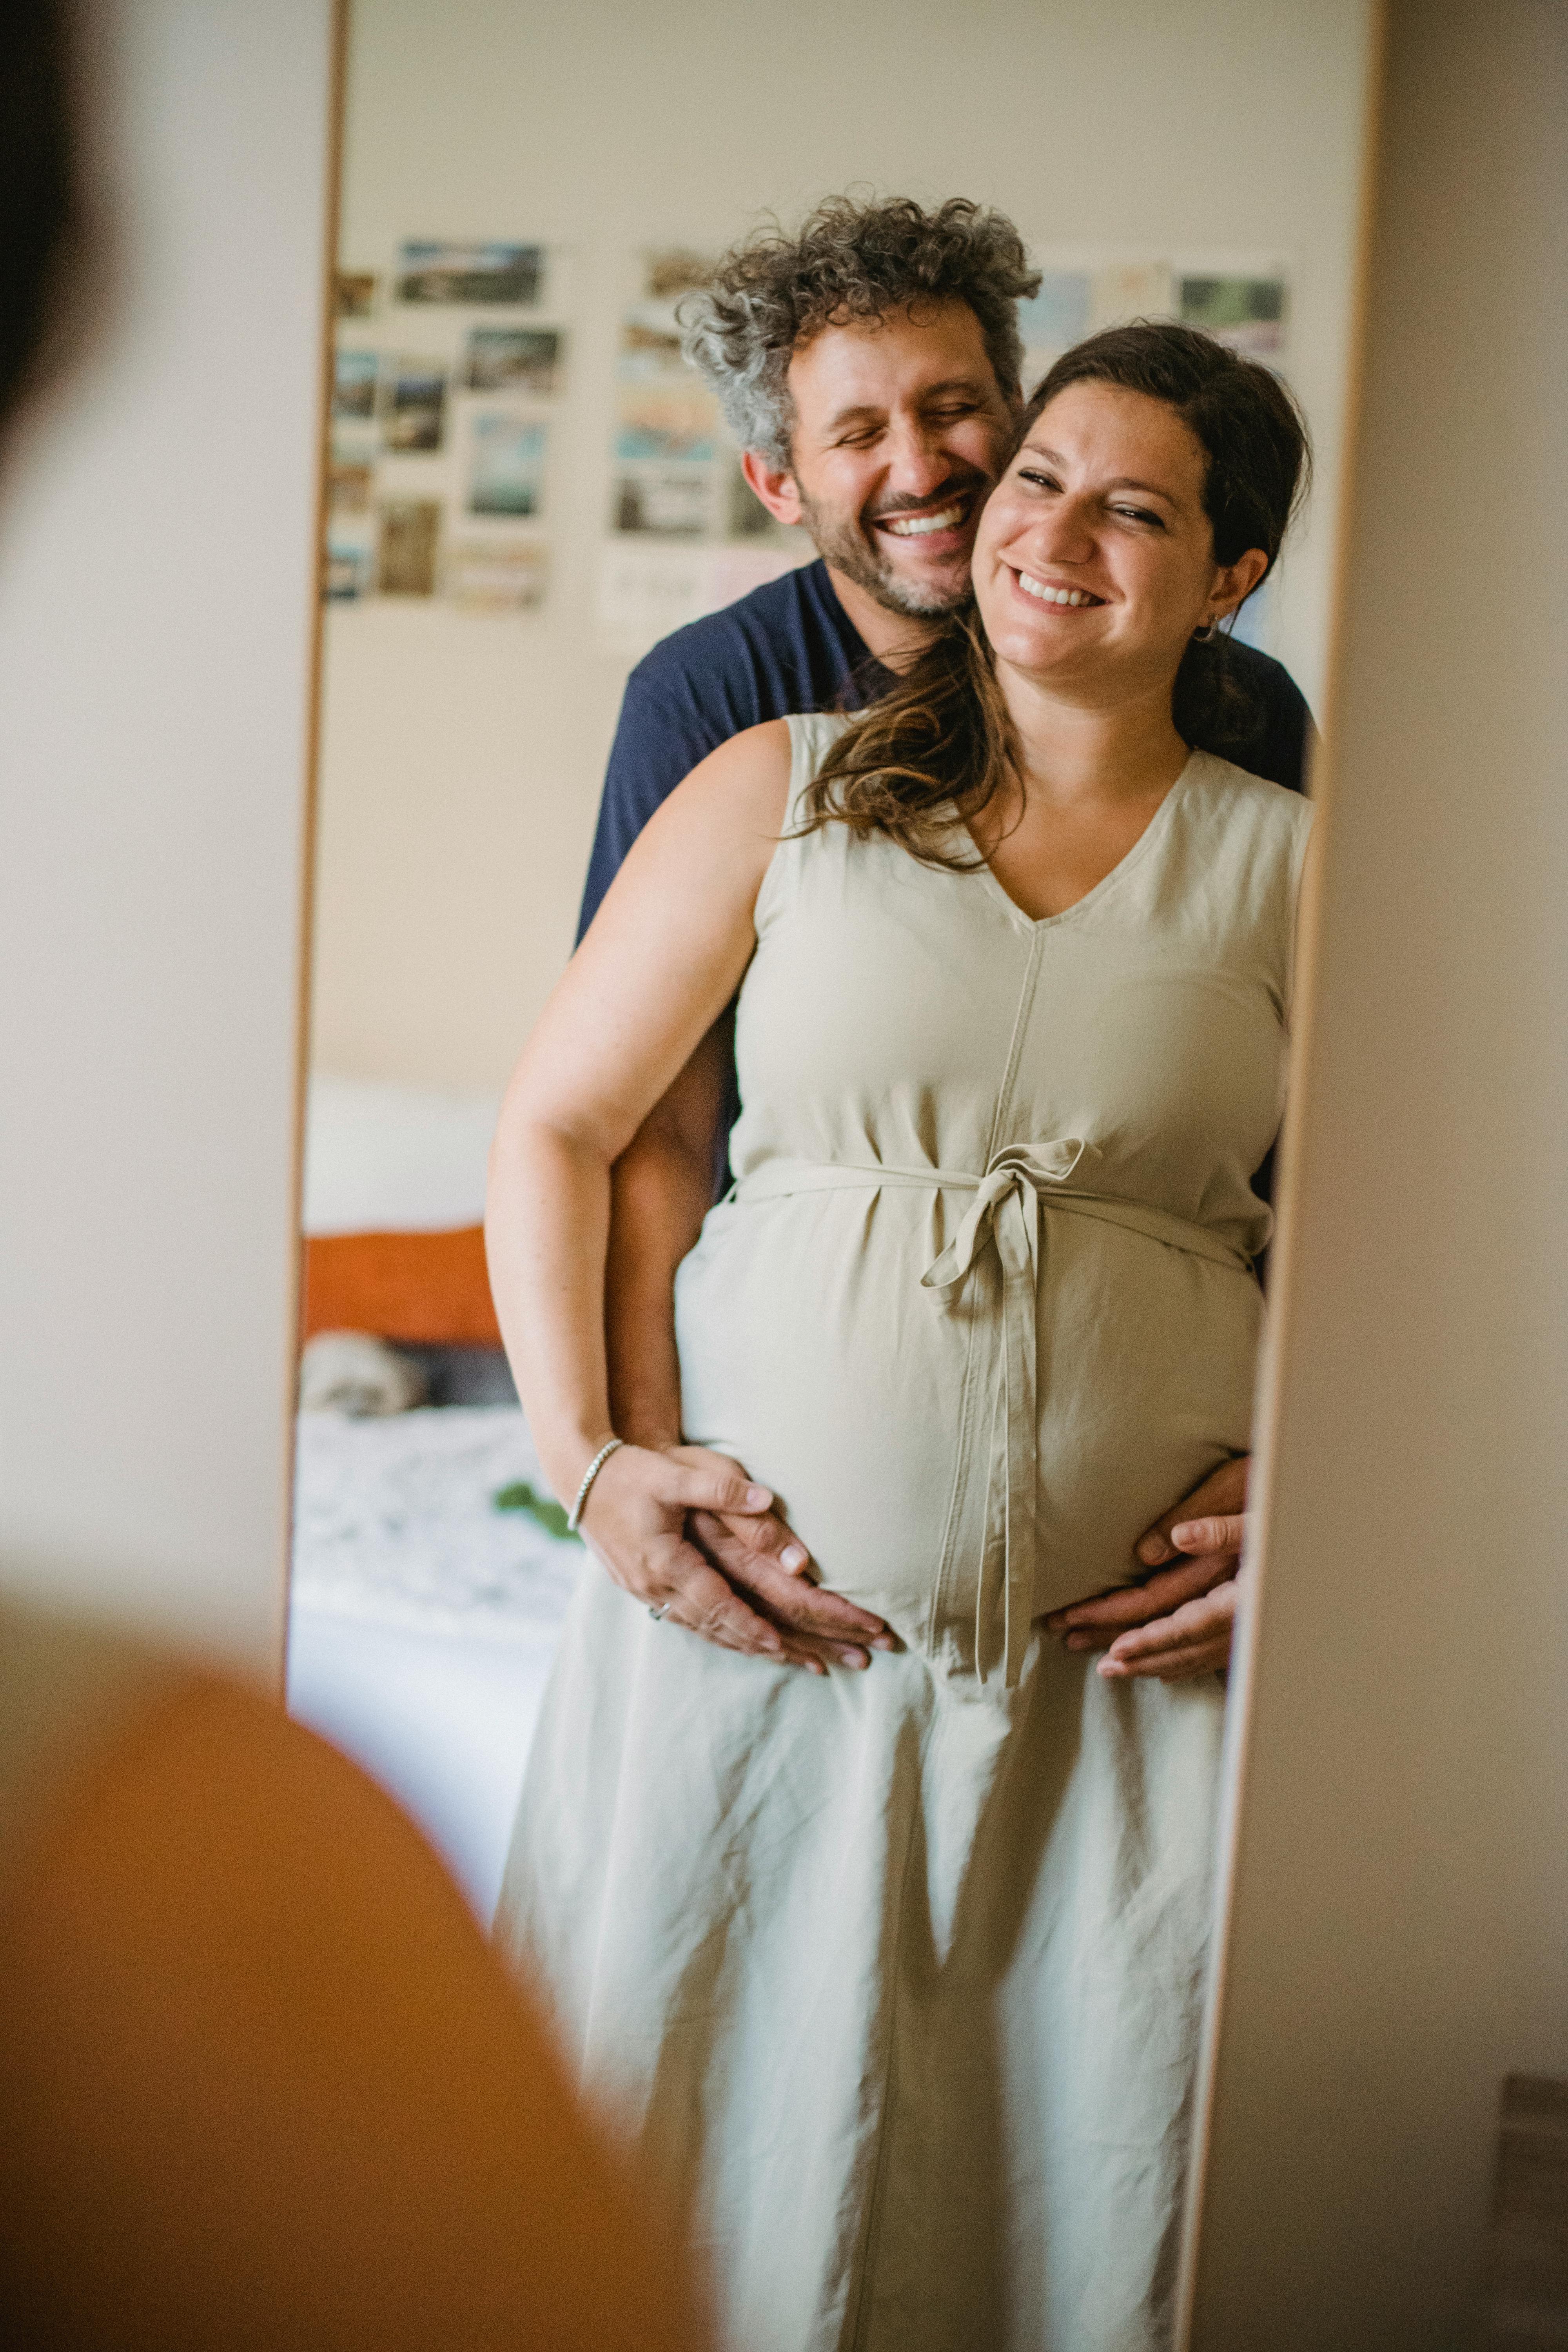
(394, 1523)
(423, 1621)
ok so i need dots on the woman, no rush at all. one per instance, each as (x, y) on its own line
(896, 1975)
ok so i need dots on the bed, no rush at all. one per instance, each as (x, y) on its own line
(423, 1618)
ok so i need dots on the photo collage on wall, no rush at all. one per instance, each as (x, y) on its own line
(443, 400)
(1246, 311)
(450, 375)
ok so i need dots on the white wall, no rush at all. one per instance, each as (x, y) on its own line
(464, 756)
(1398, 1940)
(156, 628)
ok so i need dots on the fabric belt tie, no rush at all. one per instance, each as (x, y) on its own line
(1005, 1211)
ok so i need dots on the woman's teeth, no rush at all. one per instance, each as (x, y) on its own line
(916, 526)
(1048, 595)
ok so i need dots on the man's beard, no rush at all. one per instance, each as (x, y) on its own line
(850, 549)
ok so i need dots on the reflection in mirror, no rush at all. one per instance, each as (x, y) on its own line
(866, 1842)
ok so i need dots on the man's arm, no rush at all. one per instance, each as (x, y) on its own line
(661, 1188)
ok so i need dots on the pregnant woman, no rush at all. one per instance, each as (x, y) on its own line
(895, 1975)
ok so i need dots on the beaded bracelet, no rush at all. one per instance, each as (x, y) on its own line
(574, 1515)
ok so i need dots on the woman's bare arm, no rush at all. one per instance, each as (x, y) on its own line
(661, 1189)
(659, 964)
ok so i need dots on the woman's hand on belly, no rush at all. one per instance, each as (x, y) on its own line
(1179, 1621)
(646, 1506)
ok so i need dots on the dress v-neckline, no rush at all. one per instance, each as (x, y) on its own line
(1129, 858)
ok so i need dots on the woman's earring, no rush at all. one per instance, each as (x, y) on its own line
(1207, 634)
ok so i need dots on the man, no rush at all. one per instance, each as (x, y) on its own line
(869, 367)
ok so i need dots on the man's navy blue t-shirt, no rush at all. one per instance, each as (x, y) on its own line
(791, 646)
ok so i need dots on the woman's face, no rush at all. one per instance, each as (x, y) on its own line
(1094, 560)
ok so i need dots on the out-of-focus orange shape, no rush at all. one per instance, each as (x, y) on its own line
(423, 1289)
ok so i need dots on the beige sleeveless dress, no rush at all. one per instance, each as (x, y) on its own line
(896, 1977)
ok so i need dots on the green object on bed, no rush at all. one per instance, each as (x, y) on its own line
(550, 1516)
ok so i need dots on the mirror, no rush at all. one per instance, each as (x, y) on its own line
(530, 488)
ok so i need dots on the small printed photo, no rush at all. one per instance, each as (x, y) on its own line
(410, 531)
(669, 423)
(433, 270)
(496, 575)
(508, 476)
(348, 562)
(513, 359)
(669, 501)
(1248, 313)
(354, 378)
(414, 411)
(356, 293)
(670, 271)
(1056, 318)
(356, 437)
(650, 343)
(1131, 289)
(349, 485)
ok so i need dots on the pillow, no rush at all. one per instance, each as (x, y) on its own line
(423, 1289)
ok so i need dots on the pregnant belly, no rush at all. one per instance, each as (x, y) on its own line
(876, 1408)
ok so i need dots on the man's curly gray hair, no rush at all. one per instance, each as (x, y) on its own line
(848, 260)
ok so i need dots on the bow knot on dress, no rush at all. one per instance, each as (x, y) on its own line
(1005, 1211)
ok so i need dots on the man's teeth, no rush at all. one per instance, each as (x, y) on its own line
(1050, 595)
(916, 526)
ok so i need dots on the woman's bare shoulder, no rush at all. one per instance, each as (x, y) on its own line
(698, 864)
(741, 790)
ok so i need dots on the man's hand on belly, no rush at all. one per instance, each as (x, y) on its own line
(1179, 1620)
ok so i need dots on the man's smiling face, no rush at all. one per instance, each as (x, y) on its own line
(899, 433)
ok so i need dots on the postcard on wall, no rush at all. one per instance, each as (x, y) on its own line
(356, 293)
(734, 572)
(354, 378)
(1130, 289)
(645, 592)
(349, 485)
(650, 342)
(665, 501)
(348, 567)
(496, 575)
(410, 532)
(1055, 319)
(513, 359)
(414, 411)
(669, 271)
(651, 324)
(673, 422)
(433, 269)
(508, 473)
(1248, 313)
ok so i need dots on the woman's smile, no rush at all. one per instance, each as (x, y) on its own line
(1052, 592)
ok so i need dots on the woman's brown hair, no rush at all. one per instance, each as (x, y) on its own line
(941, 734)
